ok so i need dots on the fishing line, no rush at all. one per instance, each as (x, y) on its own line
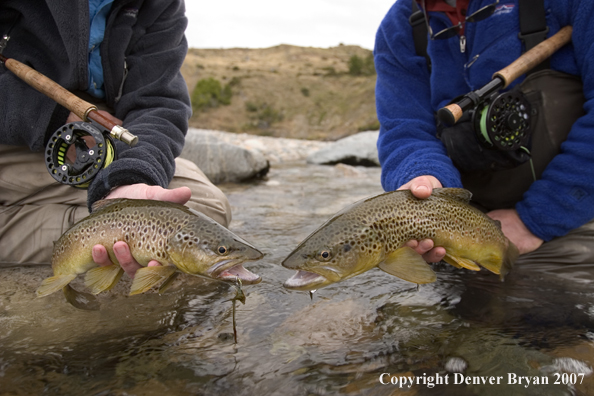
(531, 162)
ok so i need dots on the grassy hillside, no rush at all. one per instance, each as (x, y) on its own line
(284, 91)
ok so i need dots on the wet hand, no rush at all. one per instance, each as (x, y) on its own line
(179, 195)
(514, 229)
(422, 187)
(123, 255)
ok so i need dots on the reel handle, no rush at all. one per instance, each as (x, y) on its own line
(84, 110)
(452, 113)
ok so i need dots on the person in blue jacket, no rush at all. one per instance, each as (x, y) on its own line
(546, 212)
(125, 57)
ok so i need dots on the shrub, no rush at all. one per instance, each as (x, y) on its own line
(264, 115)
(361, 66)
(210, 93)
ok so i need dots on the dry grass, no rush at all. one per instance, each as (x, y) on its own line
(286, 91)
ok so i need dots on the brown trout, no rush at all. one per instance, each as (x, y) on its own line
(178, 237)
(372, 233)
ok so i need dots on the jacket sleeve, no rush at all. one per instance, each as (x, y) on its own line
(151, 98)
(563, 199)
(407, 144)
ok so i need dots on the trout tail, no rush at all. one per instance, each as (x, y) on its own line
(77, 299)
(81, 300)
(511, 255)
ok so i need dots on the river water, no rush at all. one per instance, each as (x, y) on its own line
(466, 327)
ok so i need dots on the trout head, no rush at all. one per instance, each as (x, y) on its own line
(206, 248)
(336, 251)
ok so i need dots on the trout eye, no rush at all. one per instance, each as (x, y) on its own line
(324, 255)
(222, 250)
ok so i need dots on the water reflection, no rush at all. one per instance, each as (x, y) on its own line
(538, 322)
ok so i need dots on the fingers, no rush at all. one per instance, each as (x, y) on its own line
(127, 262)
(179, 195)
(435, 255)
(422, 186)
(426, 249)
(123, 255)
(100, 256)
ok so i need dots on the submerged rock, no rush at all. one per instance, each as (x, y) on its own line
(359, 149)
(221, 161)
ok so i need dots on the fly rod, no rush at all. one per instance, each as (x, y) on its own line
(83, 109)
(451, 113)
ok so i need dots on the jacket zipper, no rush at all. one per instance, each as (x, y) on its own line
(121, 89)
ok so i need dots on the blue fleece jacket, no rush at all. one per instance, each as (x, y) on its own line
(407, 96)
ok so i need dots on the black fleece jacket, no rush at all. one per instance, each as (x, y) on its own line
(142, 52)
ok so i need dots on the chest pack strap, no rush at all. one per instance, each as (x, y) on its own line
(417, 21)
(533, 28)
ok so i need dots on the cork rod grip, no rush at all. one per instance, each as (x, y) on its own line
(535, 56)
(49, 88)
(450, 114)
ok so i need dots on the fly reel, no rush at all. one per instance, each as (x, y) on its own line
(504, 122)
(76, 152)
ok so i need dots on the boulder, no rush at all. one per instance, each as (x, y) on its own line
(358, 149)
(223, 162)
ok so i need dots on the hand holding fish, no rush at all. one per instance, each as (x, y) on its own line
(422, 187)
(121, 250)
(514, 229)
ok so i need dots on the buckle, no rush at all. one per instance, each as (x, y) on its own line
(416, 18)
(531, 40)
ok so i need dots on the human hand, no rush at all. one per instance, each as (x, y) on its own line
(121, 249)
(515, 230)
(122, 252)
(179, 195)
(422, 187)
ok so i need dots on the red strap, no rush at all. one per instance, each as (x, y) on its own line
(456, 14)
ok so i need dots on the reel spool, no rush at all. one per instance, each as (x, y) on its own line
(76, 152)
(504, 123)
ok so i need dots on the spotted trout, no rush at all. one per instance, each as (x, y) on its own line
(373, 232)
(180, 238)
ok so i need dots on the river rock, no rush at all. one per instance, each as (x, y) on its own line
(358, 149)
(221, 161)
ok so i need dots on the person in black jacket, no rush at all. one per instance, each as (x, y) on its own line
(125, 57)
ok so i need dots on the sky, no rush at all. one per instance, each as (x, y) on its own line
(266, 23)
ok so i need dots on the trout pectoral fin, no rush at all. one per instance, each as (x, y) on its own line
(407, 264)
(103, 278)
(80, 300)
(53, 284)
(147, 277)
(461, 262)
(168, 282)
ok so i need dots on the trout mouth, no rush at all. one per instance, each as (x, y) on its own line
(229, 270)
(306, 281)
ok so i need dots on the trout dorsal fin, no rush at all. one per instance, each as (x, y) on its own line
(103, 203)
(459, 194)
(497, 223)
